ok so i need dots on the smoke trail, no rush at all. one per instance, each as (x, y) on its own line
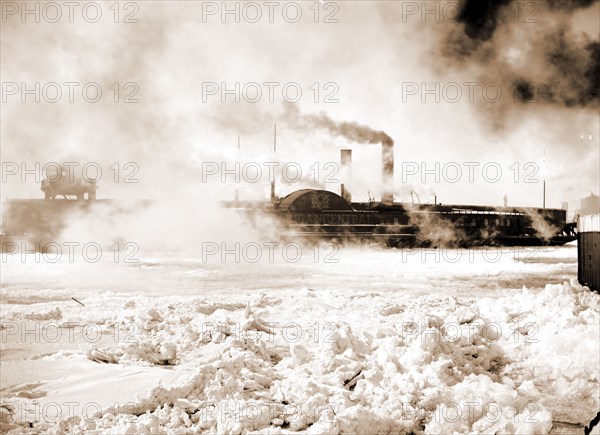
(352, 131)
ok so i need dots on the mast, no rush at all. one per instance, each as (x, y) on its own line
(274, 151)
(544, 188)
(237, 192)
(544, 202)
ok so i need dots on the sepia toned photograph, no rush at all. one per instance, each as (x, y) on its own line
(316, 217)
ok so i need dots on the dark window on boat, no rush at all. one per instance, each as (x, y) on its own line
(473, 222)
(508, 222)
(486, 222)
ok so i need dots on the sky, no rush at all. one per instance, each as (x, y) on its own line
(443, 79)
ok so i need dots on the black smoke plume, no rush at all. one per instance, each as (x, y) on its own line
(569, 5)
(573, 80)
(480, 18)
(563, 65)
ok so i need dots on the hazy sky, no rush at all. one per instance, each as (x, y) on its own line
(373, 64)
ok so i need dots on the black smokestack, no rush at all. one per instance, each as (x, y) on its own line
(346, 161)
(387, 165)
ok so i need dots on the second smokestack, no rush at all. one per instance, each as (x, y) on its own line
(387, 171)
(346, 162)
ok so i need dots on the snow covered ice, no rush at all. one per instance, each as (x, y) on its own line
(381, 341)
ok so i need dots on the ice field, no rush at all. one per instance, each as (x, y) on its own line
(353, 340)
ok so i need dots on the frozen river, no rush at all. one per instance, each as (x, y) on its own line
(467, 272)
(319, 340)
